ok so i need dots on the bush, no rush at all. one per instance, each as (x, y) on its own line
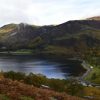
(4, 97)
(26, 98)
(70, 86)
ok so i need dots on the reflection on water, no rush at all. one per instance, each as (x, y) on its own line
(27, 64)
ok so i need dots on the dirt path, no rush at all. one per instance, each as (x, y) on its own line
(88, 68)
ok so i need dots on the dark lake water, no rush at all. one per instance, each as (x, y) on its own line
(51, 69)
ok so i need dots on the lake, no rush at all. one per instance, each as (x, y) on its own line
(51, 69)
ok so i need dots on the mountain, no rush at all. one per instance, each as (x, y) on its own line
(94, 18)
(77, 37)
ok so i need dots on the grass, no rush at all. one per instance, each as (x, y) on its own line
(5, 30)
(16, 90)
(4, 97)
(23, 51)
(96, 79)
(92, 91)
(26, 98)
(94, 75)
(58, 50)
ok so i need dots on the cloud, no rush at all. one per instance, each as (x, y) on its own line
(44, 12)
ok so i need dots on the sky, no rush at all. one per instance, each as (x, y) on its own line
(46, 12)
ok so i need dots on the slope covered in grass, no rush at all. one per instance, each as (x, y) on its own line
(14, 90)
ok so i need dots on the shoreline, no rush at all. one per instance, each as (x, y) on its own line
(87, 67)
(82, 79)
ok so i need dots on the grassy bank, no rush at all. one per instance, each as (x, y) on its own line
(13, 86)
(15, 90)
(94, 75)
(70, 86)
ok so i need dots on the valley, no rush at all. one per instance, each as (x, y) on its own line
(55, 52)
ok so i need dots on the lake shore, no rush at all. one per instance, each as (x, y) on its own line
(52, 68)
(63, 60)
(88, 68)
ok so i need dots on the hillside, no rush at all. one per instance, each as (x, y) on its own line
(72, 38)
(14, 90)
(94, 18)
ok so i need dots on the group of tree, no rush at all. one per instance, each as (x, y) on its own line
(61, 85)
